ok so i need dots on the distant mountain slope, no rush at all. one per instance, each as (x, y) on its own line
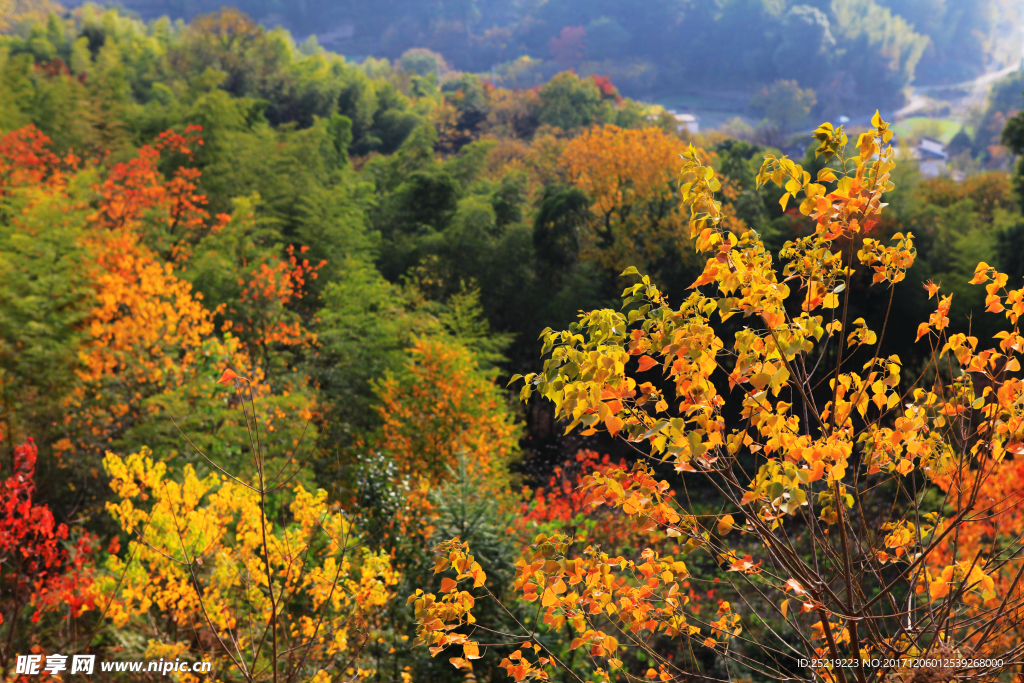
(667, 46)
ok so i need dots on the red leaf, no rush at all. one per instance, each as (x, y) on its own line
(229, 375)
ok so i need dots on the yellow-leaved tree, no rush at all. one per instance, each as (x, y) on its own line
(211, 573)
(849, 534)
(629, 176)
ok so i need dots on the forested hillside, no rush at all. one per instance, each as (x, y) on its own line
(856, 54)
(260, 306)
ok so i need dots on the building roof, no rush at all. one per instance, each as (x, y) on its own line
(932, 149)
(685, 118)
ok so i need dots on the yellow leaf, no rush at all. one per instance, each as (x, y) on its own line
(471, 650)
(785, 608)
(725, 525)
(980, 274)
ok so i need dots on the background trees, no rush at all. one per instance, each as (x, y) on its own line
(661, 48)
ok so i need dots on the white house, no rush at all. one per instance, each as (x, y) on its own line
(931, 157)
(688, 122)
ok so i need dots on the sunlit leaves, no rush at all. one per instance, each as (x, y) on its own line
(438, 619)
(200, 557)
(823, 447)
(628, 176)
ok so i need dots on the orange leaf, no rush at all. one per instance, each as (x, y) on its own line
(646, 363)
(229, 375)
(938, 589)
(614, 424)
(447, 585)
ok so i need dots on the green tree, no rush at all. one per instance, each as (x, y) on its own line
(807, 46)
(784, 103)
(569, 102)
(45, 297)
(1013, 137)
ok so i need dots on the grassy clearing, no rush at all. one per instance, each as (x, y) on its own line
(942, 130)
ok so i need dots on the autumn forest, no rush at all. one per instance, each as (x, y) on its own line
(318, 369)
